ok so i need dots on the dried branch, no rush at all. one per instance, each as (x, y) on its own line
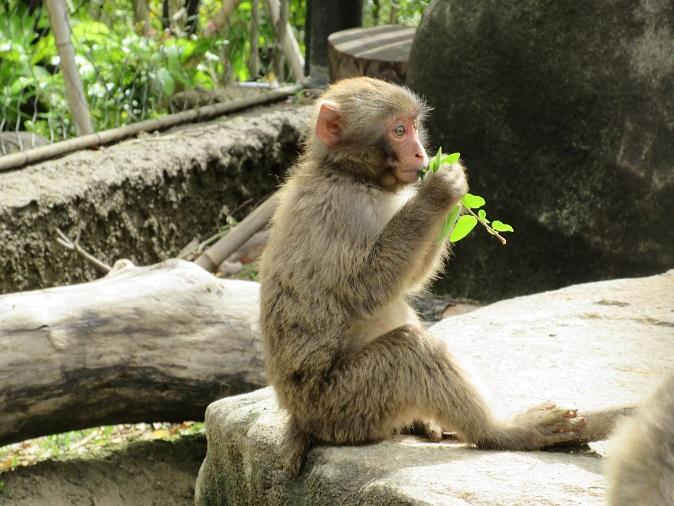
(66, 242)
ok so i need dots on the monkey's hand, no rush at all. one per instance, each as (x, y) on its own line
(448, 185)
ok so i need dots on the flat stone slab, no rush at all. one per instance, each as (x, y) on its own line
(588, 346)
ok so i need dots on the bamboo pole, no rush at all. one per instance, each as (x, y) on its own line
(251, 224)
(254, 59)
(141, 14)
(280, 30)
(74, 91)
(291, 49)
(16, 160)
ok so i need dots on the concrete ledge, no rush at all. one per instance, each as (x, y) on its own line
(142, 199)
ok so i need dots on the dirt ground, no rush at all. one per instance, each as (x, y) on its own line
(144, 473)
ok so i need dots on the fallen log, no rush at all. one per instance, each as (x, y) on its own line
(155, 343)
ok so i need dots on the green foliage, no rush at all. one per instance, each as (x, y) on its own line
(458, 226)
(470, 201)
(93, 441)
(501, 227)
(404, 12)
(127, 76)
(440, 159)
(25, 85)
(462, 228)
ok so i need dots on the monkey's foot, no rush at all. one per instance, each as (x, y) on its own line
(425, 428)
(545, 425)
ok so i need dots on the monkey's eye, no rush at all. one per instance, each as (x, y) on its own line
(399, 130)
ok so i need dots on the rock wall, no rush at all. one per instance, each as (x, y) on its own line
(564, 115)
(142, 199)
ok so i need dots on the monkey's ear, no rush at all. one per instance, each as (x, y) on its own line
(328, 124)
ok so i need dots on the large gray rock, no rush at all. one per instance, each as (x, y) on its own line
(590, 346)
(564, 115)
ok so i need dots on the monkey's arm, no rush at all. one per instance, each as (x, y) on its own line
(435, 252)
(400, 254)
(431, 263)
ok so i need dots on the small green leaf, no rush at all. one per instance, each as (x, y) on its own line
(499, 226)
(435, 161)
(463, 227)
(450, 221)
(483, 215)
(450, 159)
(472, 201)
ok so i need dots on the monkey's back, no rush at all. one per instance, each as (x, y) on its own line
(316, 245)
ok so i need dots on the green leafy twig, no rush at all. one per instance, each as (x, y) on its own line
(485, 225)
(458, 224)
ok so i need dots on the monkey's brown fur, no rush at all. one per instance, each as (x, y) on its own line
(346, 354)
(640, 466)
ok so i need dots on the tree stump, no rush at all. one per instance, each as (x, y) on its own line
(381, 51)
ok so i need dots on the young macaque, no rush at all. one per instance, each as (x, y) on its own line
(354, 235)
(640, 468)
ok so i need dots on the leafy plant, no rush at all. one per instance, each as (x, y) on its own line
(458, 225)
(127, 76)
(404, 12)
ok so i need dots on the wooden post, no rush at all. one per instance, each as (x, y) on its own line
(323, 18)
(291, 49)
(141, 17)
(254, 58)
(77, 101)
(280, 30)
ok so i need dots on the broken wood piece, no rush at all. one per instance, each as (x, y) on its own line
(251, 249)
(221, 250)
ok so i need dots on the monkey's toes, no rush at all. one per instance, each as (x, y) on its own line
(433, 431)
(549, 424)
(560, 425)
(427, 428)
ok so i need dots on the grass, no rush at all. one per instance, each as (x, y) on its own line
(79, 443)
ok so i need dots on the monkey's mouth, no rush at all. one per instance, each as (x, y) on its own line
(408, 176)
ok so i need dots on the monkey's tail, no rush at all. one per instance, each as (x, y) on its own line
(296, 444)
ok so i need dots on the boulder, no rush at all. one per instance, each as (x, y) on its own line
(591, 346)
(564, 115)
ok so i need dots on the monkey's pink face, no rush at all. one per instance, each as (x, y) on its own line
(402, 135)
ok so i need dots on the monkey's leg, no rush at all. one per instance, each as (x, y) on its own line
(296, 444)
(408, 374)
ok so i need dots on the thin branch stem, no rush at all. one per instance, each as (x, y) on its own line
(65, 241)
(485, 224)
